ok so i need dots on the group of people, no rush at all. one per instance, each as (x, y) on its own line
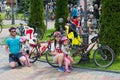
(19, 52)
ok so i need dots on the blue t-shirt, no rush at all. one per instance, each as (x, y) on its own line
(13, 44)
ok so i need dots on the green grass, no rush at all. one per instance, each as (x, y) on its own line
(47, 33)
(9, 25)
(19, 15)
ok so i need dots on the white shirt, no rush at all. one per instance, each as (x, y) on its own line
(63, 48)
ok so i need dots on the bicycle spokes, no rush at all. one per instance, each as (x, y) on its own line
(103, 57)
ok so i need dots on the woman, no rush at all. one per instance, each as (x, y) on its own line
(57, 52)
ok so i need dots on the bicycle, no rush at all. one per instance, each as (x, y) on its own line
(8, 15)
(37, 51)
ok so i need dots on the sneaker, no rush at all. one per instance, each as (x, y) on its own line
(68, 71)
(70, 68)
(61, 69)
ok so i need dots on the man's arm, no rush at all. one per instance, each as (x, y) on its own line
(7, 49)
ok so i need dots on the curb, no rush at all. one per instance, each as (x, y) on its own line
(95, 69)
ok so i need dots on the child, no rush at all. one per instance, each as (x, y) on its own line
(25, 50)
(66, 50)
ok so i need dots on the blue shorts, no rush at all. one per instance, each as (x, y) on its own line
(11, 59)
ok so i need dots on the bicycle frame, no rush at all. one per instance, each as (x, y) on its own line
(42, 49)
(85, 48)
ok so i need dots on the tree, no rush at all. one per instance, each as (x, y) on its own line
(37, 14)
(61, 12)
(72, 1)
(110, 24)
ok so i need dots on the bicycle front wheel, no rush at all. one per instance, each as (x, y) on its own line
(33, 56)
(49, 59)
(103, 56)
(0, 28)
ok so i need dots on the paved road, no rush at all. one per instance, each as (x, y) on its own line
(42, 71)
(50, 24)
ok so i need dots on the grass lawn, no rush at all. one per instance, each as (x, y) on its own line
(16, 16)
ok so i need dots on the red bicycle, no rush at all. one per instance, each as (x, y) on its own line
(36, 50)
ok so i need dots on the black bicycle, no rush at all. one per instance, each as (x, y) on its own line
(7, 15)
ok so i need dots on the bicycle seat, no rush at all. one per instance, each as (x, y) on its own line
(94, 39)
(35, 45)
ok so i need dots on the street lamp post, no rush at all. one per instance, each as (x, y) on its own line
(85, 32)
(85, 29)
(12, 3)
(60, 20)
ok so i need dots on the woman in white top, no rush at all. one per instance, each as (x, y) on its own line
(57, 52)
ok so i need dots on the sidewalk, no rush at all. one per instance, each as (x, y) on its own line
(43, 71)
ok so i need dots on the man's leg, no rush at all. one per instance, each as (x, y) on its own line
(12, 63)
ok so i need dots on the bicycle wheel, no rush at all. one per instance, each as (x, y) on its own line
(40, 33)
(76, 55)
(0, 28)
(8, 17)
(33, 56)
(49, 59)
(103, 56)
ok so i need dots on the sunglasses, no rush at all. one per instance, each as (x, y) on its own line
(13, 31)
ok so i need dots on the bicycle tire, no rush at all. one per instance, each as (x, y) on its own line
(103, 56)
(49, 59)
(40, 33)
(34, 54)
(7, 17)
(76, 55)
(0, 28)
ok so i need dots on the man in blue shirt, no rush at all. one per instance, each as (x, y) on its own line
(13, 48)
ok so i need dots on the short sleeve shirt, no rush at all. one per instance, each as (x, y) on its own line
(13, 44)
(55, 49)
(64, 50)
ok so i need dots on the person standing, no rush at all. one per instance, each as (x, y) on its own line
(13, 47)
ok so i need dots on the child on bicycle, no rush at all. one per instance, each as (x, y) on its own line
(25, 50)
(67, 58)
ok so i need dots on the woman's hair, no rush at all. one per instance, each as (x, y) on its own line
(60, 43)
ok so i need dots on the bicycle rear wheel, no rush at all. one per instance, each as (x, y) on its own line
(34, 55)
(0, 28)
(103, 56)
(49, 59)
(40, 33)
(8, 17)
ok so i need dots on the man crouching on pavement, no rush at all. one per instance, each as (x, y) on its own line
(13, 47)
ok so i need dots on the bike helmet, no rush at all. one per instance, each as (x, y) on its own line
(64, 38)
(57, 33)
(23, 39)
